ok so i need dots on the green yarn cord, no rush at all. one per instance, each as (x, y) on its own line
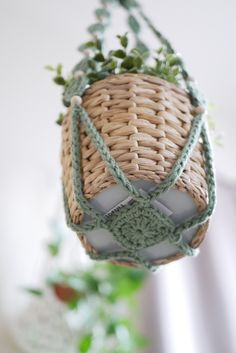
(139, 225)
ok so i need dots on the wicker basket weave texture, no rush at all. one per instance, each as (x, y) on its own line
(145, 122)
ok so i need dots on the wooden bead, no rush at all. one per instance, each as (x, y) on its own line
(76, 100)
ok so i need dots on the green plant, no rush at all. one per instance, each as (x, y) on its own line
(103, 298)
(97, 63)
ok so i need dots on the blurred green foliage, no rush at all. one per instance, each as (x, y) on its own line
(103, 297)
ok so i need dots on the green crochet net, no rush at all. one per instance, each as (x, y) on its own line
(138, 225)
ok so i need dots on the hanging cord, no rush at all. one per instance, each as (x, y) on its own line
(195, 95)
(130, 7)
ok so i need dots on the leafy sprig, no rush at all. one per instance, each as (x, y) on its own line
(58, 76)
(97, 64)
(134, 60)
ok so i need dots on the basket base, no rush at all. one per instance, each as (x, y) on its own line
(176, 204)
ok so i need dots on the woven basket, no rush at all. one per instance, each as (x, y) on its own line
(145, 122)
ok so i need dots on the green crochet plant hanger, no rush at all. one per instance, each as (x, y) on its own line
(137, 225)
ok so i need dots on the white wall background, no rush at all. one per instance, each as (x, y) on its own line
(34, 33)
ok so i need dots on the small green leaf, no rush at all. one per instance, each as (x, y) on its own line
(96, 27)
(85, 344)
(110, 65)
(138, 61)
(59, 80)
(49, 68)
(59, 69)
(59, 121)
(102, 12)
(87, 45)
(123, 40)
(73, 304)
(172, 59)
(93, 76)
(128, 63)
(96, 76)
(54, 248)
(111, 328)
(175, 71)
(99, 44)
(119, 53)
(160, 50)
(35, 291)
(99, 57)
(92, 64)
(134, 24)
(165, 71)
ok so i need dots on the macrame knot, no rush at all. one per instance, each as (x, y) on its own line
(137, 227)
(175, 238)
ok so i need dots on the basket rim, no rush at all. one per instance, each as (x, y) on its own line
(143, 75)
